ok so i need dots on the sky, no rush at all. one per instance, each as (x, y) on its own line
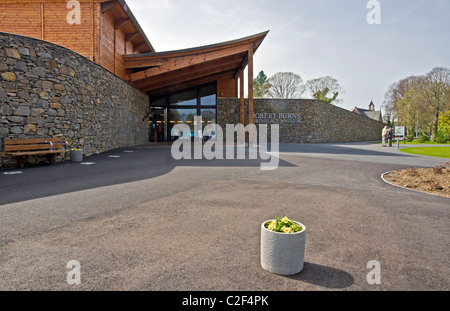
(313, 38)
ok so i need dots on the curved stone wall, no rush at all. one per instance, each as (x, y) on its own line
(304, 120)
(49, 91)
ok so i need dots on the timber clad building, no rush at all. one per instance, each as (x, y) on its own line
(86, 70)
(109, 35)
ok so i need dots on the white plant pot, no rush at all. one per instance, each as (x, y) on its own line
(283, 253)
(76, 155)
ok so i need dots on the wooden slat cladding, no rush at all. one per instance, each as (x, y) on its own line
(227, 87)
(103, 37)
(119, 52)
(47, 20)
(48, 1)
(22, 19)
(77, 37)
(107, 41)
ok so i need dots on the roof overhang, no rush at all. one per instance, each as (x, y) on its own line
(129, 24)
(165, 72)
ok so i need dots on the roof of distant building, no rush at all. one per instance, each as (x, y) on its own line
(370, 113)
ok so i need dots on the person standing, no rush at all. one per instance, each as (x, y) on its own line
(158, 132)
(390, 136)
(384, 136)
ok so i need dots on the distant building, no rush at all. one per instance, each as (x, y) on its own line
(371, 113)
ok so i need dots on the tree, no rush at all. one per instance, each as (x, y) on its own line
(261, 85)
(444, 125)
(435, 90)
(322, 96)
(396, 92)
(286, 85)
(325, 89)
(407, 108)
(405, 104)
(390, 104)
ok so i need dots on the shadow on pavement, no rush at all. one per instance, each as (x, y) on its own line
(339, 150)
(114, 167)
(324, 276)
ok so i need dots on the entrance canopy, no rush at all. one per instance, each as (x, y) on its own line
(165, 72)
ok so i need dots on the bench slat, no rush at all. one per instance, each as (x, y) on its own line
(31, 141)
(44, 146)
(35, 152)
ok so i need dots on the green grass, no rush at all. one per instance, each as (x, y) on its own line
(414, 142)
(441, 152)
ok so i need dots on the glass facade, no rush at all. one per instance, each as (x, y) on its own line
(181, 108)
(185, 98)
(181, 116)
(207, 95)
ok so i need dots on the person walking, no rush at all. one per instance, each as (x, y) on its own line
(390, 136)
(384, 136)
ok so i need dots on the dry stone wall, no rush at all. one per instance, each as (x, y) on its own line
(303, 120)
(49, 91)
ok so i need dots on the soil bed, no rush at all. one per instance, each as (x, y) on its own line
(434, 180)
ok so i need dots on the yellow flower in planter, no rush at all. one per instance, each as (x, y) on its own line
(272, 225)
(284, 225)
(287, 230)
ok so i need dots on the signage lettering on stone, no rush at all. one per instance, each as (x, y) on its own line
(276, 118)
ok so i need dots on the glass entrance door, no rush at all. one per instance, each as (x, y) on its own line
(157, 125)
(182, 107)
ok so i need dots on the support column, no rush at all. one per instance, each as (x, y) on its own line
(242, 101)
(250, 93)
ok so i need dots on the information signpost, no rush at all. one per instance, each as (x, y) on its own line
(399, 131)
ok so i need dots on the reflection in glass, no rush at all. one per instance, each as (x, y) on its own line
(208, 95)
(158, 102)
(157, 125)
(208, 117)
(181, 116)
(186, 98)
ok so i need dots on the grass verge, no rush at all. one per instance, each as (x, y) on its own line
(441, 152)
(414, 142)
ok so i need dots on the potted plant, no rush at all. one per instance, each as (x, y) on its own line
(76, 155)
(283, 246)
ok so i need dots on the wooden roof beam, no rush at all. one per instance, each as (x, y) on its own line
(147, 63)
(180, 62)
(106, 6)
(137, 60)
(248, 41)
(187, 74)
(139, 46)
(131, 36)
(187, 84)
(119, 24)
(242, 66)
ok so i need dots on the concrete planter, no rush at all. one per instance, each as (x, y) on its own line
(282, 253)
(76, 155)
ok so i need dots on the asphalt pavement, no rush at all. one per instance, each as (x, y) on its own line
(136, 219)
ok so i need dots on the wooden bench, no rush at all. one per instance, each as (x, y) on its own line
(22, 148)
